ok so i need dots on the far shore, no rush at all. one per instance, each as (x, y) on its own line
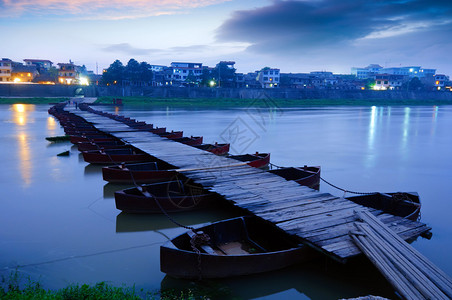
(228, 102)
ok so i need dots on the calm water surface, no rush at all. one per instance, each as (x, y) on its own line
(59, 224)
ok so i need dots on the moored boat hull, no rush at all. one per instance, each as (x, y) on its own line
(162, 197)
(258, 160)
(115, 156)
(306, 176)
(177, 259)
(402, 204)
(136, 173)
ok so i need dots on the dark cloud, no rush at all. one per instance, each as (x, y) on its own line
(294, 26)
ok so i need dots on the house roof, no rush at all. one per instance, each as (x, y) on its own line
(24, 69)
(37, 60)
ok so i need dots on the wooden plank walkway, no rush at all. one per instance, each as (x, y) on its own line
(320, 220)
(411, 274)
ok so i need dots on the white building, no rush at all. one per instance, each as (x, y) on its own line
(5, 70)
(366, 72)
(182, 70)
(39, 63)
(269, 78)
(388, 82)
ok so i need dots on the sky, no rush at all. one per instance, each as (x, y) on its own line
(292, 35)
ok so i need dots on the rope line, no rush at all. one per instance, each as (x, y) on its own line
(346, 191)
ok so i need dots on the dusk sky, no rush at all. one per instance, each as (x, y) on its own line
(295, 36)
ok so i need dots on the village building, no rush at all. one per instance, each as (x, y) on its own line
(5, 70)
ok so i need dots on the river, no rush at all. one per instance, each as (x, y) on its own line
(59, 224)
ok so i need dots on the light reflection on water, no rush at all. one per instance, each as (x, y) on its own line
(71, 213)
(20, 117)
(24, 157)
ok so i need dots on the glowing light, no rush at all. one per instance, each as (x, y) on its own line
(84, 81)
(16, 79)
(363, 88)
(437, 82)
(212, 83)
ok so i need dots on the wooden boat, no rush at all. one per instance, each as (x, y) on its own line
(172, 134)
(307, 176)
(60, 138)
(94, 138)
(239, 246)
(88, 146)
(171, 196)
(399, 204)
(218, 149)
(257, 160)
(156, 130)
(146, 172)
(191, 141)
(115, 156)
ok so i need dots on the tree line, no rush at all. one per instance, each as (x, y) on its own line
(141, 74)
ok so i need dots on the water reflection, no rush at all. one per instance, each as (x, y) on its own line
(24, 157)
(111, 188)
(434, 120)
(150, 222)
(51, 124)
(20, 118)
(405, 128)
(21, 112)
(302, 281)
(92, 169)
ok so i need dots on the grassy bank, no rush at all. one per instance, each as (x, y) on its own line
(37, 100)
(10, 289)
(233, 102)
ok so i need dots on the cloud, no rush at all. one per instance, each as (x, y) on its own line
(295, 27)
(100, 9)
(192, 50)
(126, 48)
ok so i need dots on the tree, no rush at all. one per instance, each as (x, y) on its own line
(224, 74)
(413, 85)
(206, 77)
(114, 75)
(146, 74)
(191, 78)
(132, 72)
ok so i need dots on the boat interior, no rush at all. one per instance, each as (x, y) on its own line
(239, 236)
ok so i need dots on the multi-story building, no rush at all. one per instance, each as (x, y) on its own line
(440, 81)
(23, 73)
(183, 71)
(367, 72)
(269, 78)
(68, 73)
(40, 64)
(388, 82)
(5, 70)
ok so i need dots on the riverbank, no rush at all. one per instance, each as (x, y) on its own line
(32, 100)
(268, 102)
(11, 289)
(230, 102)
(233, 102)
